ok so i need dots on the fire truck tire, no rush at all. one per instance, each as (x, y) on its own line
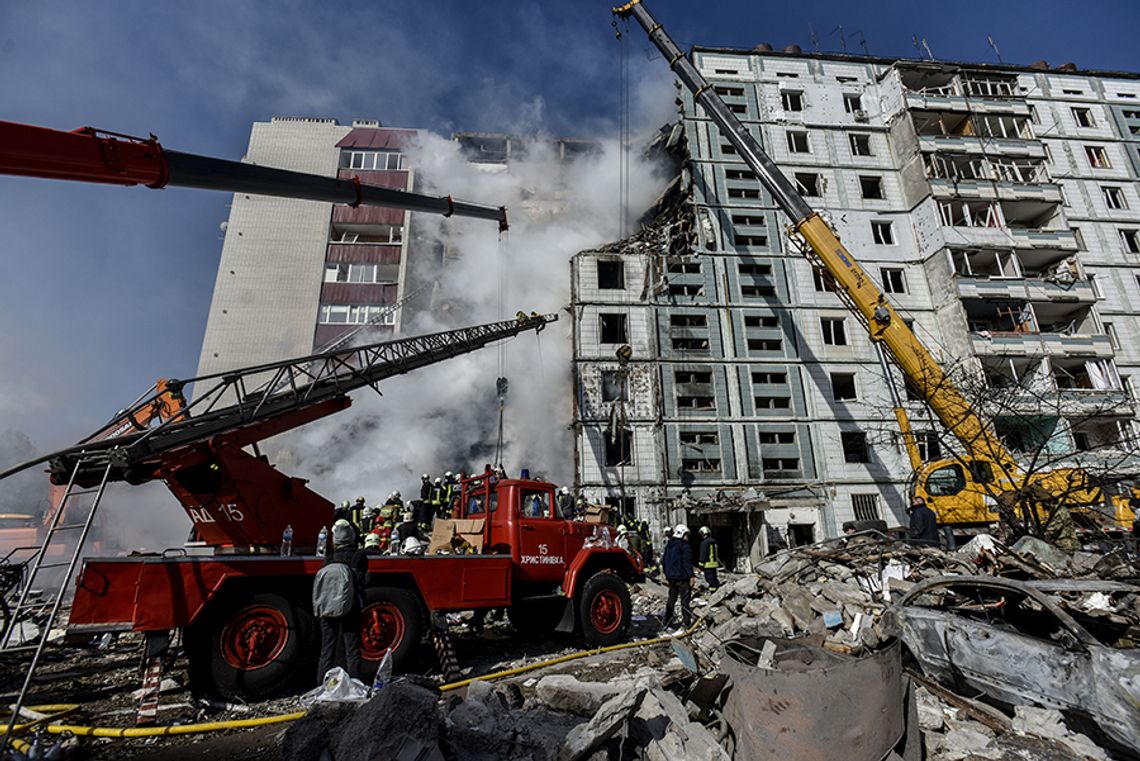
(604, 609)
(391, 618)
(251, 646)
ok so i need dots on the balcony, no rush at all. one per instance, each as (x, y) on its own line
(1010, 344)
(1027, 289)
(990, 190)
(943, 100)
(1045, 241)
(978, 146)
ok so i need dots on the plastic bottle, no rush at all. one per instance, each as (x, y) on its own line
(287, 541)
(383, 672)
(323, 541)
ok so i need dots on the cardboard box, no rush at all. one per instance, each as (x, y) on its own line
(444, 530)
(597, 514)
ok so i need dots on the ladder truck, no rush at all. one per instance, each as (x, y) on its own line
(961, 490)
(244, 610)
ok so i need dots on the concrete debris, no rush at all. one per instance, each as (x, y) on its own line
(611, 718)
(563, 692)
(1048, 723)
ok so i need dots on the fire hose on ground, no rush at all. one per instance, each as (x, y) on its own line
(215, 726)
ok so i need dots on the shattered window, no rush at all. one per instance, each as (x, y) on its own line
(612, 328)
(612, 387)
(611, 274)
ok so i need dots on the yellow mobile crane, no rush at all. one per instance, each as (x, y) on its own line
(963, 491)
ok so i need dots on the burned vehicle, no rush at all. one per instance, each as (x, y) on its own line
(1068, 644)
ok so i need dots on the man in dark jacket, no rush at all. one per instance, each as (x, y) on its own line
(677, 562)
(923, 523)
(346, 627)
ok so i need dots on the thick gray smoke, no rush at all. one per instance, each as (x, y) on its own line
(445, 417)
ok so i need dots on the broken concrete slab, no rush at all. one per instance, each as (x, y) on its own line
(1049, 723)
(563, 692)
(611, 717)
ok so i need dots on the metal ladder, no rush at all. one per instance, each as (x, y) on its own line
(43, 561)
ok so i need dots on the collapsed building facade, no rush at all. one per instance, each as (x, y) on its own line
(997, 206)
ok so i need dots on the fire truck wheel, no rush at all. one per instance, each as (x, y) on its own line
(250, 647)
(604, 609)
(391, 619)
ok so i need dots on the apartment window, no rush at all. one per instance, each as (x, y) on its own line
(611, 275)
(777, 437)
(765, 344)
(807, 183)
(357, 314)
(822, 281)
(1131, 240)
(699, 465)
(727, 149)
(699, 438)
(754, 269)
(371, 160)
(860, 144)
(613, 328)
(685, 268)
(376, 234)
(854, 446)
(750, 240)
(738, 108)
(739, 174)
(743, 193)
(893, 280)
(798, 142)
(865, 507)
(852, 102)
(870, 186)
(883, 233)
(1079, 238)
(769, 378)
(696, 403)
(613, 389)
(744, 219)
(929, 447)
(776, 464)
(1083, 117)
(1114, 197)
(686, 289)
(737, 92)
(684, 377)
(772, 402)
(688, 320)
(843, 387)
(355, 273)
(761, 321)
(793, 100)
(691, 344)
(1048, 153)
(1072, 92)
(834, 331)
(619, 449)
(1097, 156)
(1033, 115)
(1110, 331)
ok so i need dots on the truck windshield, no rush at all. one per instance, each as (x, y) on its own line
(535, 504)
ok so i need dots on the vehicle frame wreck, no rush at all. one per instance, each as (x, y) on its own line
(1015, 642)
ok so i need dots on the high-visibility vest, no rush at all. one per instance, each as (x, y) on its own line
(712, 562)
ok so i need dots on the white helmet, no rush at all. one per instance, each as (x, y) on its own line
(565, 489)
(622, 530)
(439, 480)
(681, 531)
(447, 475)
(396, 494)
(412, 546)
(425, 477)
(705, 530)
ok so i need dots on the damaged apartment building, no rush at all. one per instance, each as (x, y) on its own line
(996, 205)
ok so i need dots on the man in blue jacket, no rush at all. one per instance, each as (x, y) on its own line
(677, 562)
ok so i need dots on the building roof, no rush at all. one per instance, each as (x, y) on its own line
(889, 61)
(376, 138)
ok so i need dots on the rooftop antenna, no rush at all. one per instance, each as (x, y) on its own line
(920, 46)
(842, 36)
(863, 42)
(990, 40)
(813, 37)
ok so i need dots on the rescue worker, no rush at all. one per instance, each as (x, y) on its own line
(647, 541)
(580, 509)
(356, 516)
(923, 523)
(372, 544)
(406, 528)
(565, 502)
(623, 538)
(394, 500)
(677, 560)
(436, 498)
(446, 495)
(343, 513)
(709, 558)
(346, 627)
(423, 513)
(425, 487)
(637, 544)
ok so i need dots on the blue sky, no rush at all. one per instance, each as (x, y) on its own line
(102, 289)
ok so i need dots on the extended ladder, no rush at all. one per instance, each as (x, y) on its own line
(44, 563)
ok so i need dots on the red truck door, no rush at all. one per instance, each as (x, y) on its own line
(542, 540)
